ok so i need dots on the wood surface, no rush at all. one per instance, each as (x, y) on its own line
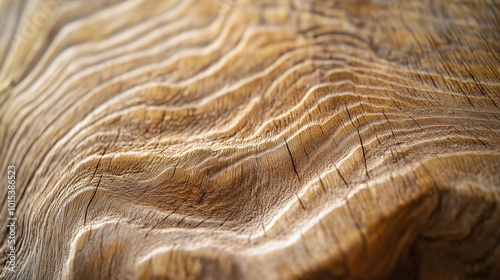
(251, 139)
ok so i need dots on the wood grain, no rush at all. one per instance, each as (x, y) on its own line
(251, 139)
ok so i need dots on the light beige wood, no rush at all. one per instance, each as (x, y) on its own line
(251, 139)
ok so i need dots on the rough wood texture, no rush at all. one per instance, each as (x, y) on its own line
(251, 139)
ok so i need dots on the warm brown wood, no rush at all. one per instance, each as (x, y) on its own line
(251, 139)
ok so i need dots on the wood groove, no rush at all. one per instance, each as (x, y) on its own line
(214, 139)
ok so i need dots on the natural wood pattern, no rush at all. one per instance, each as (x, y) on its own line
(252, 139)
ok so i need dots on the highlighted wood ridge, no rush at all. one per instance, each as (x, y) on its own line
(220, 139)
